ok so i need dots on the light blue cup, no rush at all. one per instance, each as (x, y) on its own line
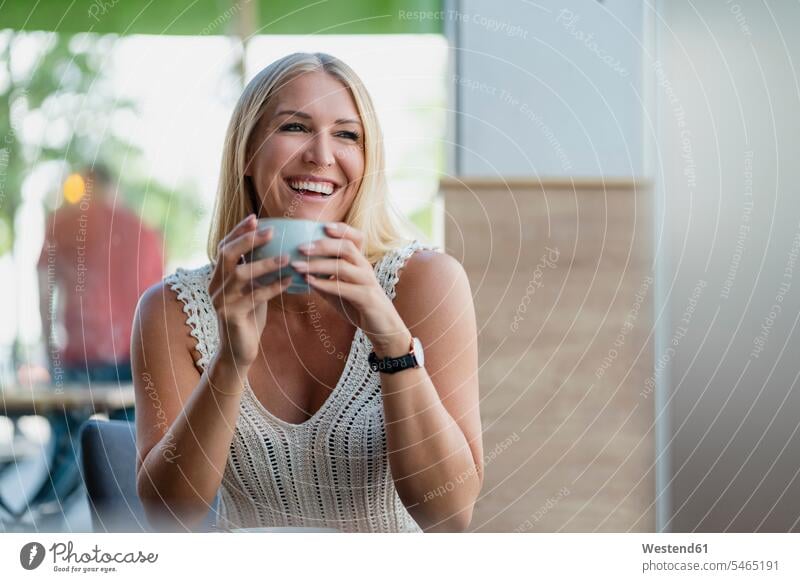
(288, 234)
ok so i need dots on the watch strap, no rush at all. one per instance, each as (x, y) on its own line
(392, 365)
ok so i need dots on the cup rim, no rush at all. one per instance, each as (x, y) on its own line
(285, 219)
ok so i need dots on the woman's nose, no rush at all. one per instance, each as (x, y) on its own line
(319, 151)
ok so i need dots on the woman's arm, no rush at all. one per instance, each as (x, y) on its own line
(432, 413)
(184, 421)
(432, 418)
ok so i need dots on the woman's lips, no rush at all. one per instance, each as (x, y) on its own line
(311, 194)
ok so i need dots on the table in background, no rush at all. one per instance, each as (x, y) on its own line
(66, 408)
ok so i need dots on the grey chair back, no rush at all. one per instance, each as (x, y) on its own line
(108, 456)
(108, 450)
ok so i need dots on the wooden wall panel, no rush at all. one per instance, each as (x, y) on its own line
(568, 447)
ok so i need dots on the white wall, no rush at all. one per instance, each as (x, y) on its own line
(727, 225)
(547, 89)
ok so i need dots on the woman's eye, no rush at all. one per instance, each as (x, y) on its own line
(349, 135)
(293, 127)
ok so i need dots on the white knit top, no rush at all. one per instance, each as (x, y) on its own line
(330, 471)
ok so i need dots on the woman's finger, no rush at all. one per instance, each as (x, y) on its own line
(260, 294)
(245, 243)
(254, 269)
(334, 247)
(352, 292)
(344, 230)
(221, 268)
(241, 286)
(343, 270)
(249, 222)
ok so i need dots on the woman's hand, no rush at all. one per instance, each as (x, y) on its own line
(353, 288)
(238, 299)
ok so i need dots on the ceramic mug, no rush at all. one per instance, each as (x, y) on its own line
(287, 235)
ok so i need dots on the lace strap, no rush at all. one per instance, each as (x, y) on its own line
(191, 287)
(388, 269)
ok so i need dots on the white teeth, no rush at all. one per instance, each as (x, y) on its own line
(321, 187)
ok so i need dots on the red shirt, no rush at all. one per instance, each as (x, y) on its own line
(101, 258)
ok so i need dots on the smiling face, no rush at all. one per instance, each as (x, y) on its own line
(307, 151)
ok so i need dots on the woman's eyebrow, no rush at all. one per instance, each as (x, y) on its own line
(293, 112)
(305, 115)
(340, 121)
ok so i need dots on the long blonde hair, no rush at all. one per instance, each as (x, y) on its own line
(371, 210)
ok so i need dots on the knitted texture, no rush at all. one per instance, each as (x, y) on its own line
(331, 470)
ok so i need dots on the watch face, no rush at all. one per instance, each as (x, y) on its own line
(419, 355)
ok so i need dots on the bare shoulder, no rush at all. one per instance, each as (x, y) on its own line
(429, 258)
(160, 304)
(431, 282)
(430, 268)
(160, 317)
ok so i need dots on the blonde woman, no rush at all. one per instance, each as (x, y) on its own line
(237, 388)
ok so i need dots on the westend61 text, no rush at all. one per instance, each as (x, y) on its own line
(672, 549)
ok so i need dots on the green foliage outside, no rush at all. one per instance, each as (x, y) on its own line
(66, 97)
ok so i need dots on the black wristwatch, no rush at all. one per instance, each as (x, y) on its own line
(415, 358)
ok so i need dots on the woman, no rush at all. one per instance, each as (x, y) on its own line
(237, 387)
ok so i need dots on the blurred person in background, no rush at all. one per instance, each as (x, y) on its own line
(97, 259)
